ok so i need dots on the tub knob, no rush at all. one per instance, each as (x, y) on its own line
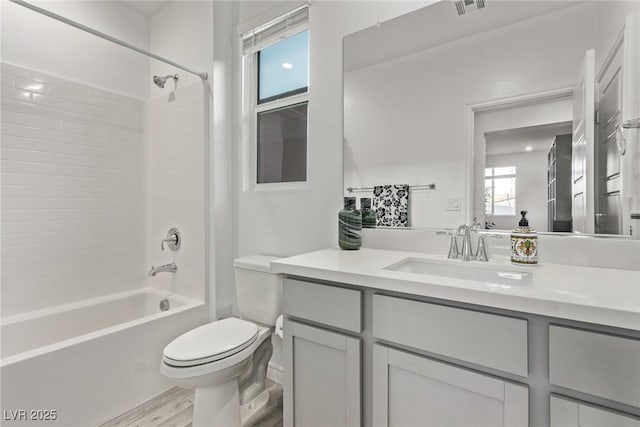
(173, 239)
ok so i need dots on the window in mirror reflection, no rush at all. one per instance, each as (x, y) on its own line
(500, 191)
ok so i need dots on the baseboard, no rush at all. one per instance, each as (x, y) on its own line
(275, 373)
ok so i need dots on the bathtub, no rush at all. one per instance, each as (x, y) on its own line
(84, 363)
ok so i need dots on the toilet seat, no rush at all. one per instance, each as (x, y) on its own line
(210, 343)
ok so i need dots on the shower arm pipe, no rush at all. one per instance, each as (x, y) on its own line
(203, 76)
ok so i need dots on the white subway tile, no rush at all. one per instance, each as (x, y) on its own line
(75, 180)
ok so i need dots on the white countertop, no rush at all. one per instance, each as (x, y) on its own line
(603, 296)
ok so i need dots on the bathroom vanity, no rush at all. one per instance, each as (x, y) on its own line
(391, 338)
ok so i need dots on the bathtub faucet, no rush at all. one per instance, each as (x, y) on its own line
(167, 268)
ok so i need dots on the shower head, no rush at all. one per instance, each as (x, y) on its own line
(161, 81)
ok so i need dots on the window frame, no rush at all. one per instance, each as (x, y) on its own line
(493, 177)
(252, 107)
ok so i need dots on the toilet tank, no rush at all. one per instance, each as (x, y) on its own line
(258, 291)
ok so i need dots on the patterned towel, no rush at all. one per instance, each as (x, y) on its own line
(391, 203)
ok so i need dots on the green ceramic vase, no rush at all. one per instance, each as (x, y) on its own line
(349, 225)
(368, 214)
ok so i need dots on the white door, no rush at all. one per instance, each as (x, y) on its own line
(618, 101)
(631, 111)
(410, 390)
(608, 157)
(582, 169)
(322, 377)
(570, 413)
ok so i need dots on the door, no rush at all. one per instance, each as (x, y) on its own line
(570, 413)
(582, 153)
(410, 390)
(322, 377)
(608, 177)
(630, 194)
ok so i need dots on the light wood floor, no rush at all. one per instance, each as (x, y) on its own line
(174, 408)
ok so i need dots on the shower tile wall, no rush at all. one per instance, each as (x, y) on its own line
(72, 173)
(175, 155)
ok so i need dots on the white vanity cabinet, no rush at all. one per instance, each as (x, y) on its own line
(322, 367)
(357, 356)
(567, 412)
(411, 390)
(598, 364)
(322, 380)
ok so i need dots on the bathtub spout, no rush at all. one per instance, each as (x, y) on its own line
(167, 268)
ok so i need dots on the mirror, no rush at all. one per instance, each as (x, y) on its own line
(509, 107)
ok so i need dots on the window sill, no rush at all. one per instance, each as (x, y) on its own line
(281, 186)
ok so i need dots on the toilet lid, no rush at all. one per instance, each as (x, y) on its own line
(210, 342)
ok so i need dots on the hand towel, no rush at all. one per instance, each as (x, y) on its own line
(391, 203)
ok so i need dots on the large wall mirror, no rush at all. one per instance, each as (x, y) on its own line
(517, 105)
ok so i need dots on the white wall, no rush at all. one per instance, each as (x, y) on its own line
(183, 32)
(224, 128)
(531, 188)
(265, 222)
(175, 187)
(271, 221)
(178, 147)
(420, 100)
(292, 221)
(40, 43)
(72, 191)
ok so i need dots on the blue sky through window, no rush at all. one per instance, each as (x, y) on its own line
(284, 66)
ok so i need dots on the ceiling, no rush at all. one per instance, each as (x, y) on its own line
(435, 25)
(513, 141)
(148, 7)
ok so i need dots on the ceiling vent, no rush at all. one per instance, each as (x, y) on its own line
(467, 6)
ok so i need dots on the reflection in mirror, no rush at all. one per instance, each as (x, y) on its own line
(518, 106)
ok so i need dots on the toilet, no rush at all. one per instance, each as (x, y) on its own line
(226, 361)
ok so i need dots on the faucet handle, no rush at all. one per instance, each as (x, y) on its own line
(481, 252)
(454, 252)
(173, 240)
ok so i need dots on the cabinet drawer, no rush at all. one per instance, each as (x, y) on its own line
(565, 412)
(329, 305)
(598, 364)
(489, 340)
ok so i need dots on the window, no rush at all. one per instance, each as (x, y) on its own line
(500, 191)
(276, 70)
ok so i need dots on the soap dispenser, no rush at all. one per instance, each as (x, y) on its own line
(524, 243)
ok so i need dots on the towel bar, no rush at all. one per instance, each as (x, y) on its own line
(411, 187)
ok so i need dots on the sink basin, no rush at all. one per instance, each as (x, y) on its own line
(487, 273)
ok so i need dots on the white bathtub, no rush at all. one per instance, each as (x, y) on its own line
(88, 361)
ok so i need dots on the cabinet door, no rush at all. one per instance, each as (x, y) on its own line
(410, 390)
(571, 413)
(322, 377)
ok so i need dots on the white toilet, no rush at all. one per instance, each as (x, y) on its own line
(226, 361)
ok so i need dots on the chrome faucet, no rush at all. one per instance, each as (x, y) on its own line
(167, 268)
(467, 251)
(481, 252)
(454, 252)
